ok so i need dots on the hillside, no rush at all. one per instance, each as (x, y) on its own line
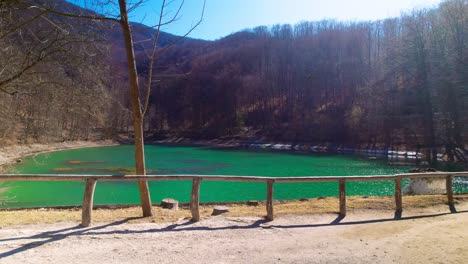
(395, 83)
(64, 78)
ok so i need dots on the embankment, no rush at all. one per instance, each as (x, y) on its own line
(14, 153)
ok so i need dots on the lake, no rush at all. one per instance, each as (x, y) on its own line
(195, 160)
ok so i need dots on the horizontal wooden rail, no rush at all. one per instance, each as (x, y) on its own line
(196, 179)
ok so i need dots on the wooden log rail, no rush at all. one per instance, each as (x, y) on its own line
(91, 180)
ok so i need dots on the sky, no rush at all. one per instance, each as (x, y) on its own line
(223, 17)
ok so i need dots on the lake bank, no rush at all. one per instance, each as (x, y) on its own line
(399, 155)
(12, 154)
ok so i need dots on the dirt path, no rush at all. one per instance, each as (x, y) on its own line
(428, 235)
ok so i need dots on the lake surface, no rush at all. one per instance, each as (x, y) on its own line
(195, 160)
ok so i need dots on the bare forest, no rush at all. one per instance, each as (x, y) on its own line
(400, 82)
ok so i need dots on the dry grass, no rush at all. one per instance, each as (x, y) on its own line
(316, 205)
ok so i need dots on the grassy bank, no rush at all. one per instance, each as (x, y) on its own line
(311, 206)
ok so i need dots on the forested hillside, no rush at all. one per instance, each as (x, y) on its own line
(51, 81)
(396, 82)
(63, 78)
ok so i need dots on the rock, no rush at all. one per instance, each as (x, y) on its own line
(421, 170)
(217, 210)
(169, 203)
(252, 202)
(425, 186)
(19, 160)
(303, 199)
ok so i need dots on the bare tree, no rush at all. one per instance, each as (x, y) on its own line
(42, 74)
(121, 17)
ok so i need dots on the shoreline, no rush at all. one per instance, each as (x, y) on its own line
(11, 154)
(395, 157)
(298, 147)
(395, 153)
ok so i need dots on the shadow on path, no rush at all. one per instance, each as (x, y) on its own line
(56, 235)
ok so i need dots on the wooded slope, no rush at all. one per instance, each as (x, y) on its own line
(396, 82)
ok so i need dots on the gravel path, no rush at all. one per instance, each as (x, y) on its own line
(428, 235)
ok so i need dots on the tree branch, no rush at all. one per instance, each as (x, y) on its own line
(65, 14)
(154, 54)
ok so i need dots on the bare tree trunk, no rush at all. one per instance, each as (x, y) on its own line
(136, 111)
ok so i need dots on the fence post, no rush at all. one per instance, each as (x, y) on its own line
(87, 206)
(398, 198)
(342, 184)
(448, 185)
(195, 199)
(269, 204)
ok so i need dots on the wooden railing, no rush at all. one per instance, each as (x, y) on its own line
(91, 180)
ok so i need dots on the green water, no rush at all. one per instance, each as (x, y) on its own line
(192, 160)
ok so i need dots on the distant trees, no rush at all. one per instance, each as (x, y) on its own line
(449, 53)
(399, 82)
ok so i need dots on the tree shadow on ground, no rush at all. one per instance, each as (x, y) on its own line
(55, 235)
(76, 231)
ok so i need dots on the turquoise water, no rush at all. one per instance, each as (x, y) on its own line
(193, 160)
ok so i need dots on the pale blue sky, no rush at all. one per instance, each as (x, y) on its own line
(223, 17)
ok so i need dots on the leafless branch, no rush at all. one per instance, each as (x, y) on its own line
(186, 34)
(65, 14)
(154, 54)
(23, 24)
(152, 59)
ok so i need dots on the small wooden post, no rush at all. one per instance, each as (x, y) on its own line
(87, 206)
(398, 198)
(448, 185)
(342, 184)
(269, 204)
(195, 199)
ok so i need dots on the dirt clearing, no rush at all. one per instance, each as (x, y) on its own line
(423, 235)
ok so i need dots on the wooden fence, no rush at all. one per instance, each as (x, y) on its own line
(90, 184)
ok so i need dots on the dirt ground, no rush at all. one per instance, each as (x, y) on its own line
(422, 235)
